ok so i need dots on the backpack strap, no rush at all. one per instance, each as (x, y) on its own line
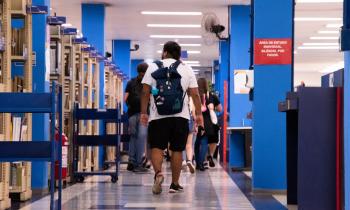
(176, 64)
(159, 64)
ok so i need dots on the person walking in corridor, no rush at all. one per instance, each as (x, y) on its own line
(171, 82)
(137, 131)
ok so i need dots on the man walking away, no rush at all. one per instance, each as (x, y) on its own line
(138, 132)
(171, 82)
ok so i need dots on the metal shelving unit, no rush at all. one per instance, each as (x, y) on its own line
(21, 52)
(17, 150)
(63, 64)
(5, 86)
(113, 100)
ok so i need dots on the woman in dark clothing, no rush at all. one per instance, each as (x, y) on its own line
(201, 145)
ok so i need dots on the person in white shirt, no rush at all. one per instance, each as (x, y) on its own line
(169, 129)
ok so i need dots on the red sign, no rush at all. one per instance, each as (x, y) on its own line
(273, 52)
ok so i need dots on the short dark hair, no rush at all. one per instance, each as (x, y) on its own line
(173, 49)
(142, 67)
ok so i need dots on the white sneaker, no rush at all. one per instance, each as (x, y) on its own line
(157, 186)
(191, 167)
(184, 165)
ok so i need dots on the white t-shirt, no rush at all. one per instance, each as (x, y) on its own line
(188, 80)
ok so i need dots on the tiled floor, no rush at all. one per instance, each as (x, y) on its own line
(203, 190)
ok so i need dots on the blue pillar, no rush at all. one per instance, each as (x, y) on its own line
(93, 27)
(224, 68)
(121, 56)
(40, 84)
(239, 104)
(347, 112)
(273, 19)
(133, 69)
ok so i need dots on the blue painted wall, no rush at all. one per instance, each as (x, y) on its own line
(271, 84)
(121, 56)
(239, 104)
(133, 69)
(40, 84)
(93, 27)
(224, 65)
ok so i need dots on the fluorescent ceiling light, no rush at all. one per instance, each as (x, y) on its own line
(338, 25)
(194, 65)
(173, 25)
(328, 32)
(319, 1)
(191, 62)
(193, 52)
(324, 38)
(317, 19)
(187, 45)
(66, 25)
(176, 36)
(333, 68)
(189, 52)
(318, 48)
(321, 44)
(171, 13)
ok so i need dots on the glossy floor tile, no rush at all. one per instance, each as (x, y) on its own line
(213, 189)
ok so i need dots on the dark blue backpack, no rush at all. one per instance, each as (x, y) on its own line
(170, 96)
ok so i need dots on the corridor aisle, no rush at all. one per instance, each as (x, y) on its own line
(213, 189)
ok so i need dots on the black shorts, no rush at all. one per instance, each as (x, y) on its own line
(213, 139)
(172, 130)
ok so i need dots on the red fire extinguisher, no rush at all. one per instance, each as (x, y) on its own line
(64, 156)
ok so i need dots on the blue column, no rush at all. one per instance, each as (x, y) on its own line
(121, 56)
(347, 112)
(41, 84)
(273, 19)
(93, 27)
(133, 69)
(239, 104)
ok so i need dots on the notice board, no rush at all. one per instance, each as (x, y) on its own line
(273, 51)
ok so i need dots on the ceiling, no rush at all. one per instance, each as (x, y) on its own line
(316, 60)
(124, 21)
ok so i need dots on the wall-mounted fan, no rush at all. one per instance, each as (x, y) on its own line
(212, 29)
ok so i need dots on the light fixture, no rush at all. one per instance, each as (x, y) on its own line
(319, 1)
(324, 38)
(194, 65)
(337, 25)
(176, 36)
(173, 25)
(333, 68)
(328, 32)
(193, 52)
(189, 52)
(187, 45)
(317, 19)
(191, 62)
(171, 13)
(318, 48)
(321, 44)
(66, 25)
